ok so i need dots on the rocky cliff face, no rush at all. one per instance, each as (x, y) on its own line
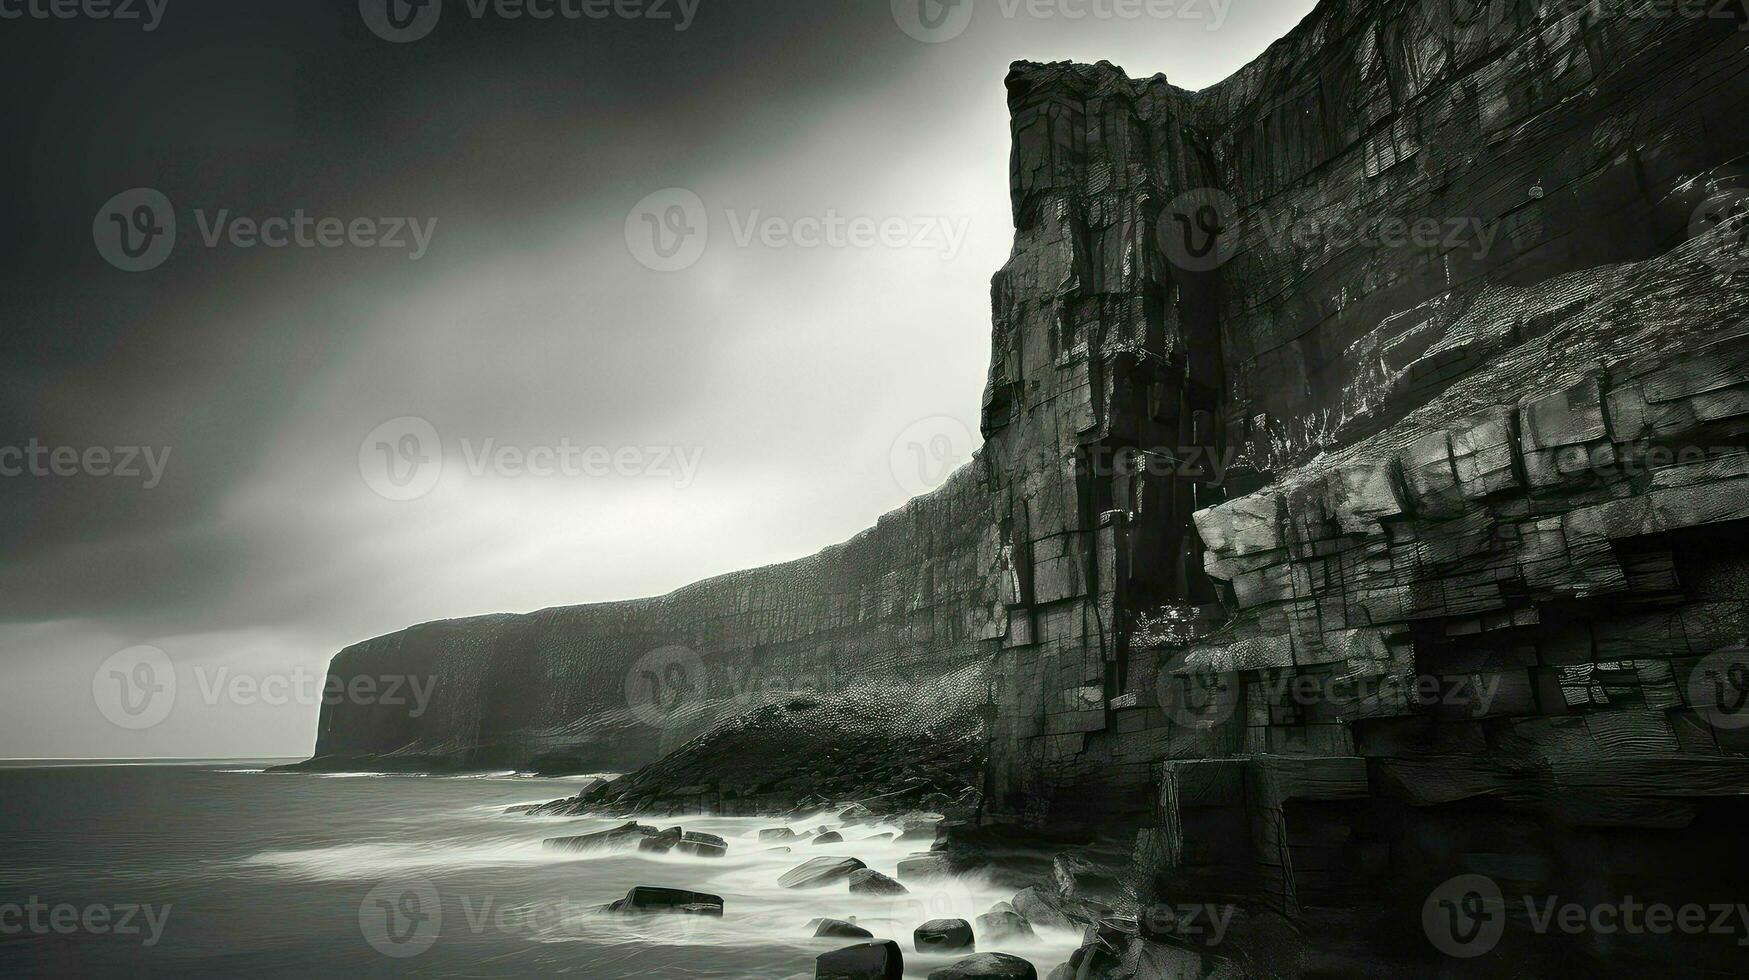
(1363, 502)
(903, 610)
(1459, 285)
(1210, 289)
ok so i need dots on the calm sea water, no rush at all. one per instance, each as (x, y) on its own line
(223, 870)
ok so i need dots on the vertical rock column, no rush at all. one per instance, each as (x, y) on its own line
(1100, 406)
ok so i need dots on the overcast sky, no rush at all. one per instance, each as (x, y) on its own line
(769, 395)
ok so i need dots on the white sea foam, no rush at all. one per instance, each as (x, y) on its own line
(759, 913)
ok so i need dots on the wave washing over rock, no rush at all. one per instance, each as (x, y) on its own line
(1356, 556)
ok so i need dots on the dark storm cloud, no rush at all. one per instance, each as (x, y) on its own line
(518, 146)
(271, 108)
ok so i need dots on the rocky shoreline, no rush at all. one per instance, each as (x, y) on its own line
(1081, 890)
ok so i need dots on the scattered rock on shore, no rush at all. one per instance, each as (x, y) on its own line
(921, 866)
(645, 899)
(1003, 922)
(868, 881)
(623, 837)
(820, 872)
(990, 966)
(879, 960)
(837, 929)
(943, 936)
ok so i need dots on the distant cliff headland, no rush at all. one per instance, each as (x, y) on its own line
(1364, 505)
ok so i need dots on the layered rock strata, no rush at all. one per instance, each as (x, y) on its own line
(903, 613)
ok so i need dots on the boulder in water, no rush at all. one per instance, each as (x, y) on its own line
(702, 845)
(661, 843)
(648, 900)
(1003, 922)
(943, 936)
(777, 835)
(880, 960)
(921, 866)
(837, 929)
(820, 872)
(623, 837)
(830, 837)
(868, 881)
(991, 966)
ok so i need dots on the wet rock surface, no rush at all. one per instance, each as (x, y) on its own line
(865, 961)
(820, 872)
(1002, 922)
(871, 882)
(837, 929)
(943, 936)
(648, 900)
(997, 966)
